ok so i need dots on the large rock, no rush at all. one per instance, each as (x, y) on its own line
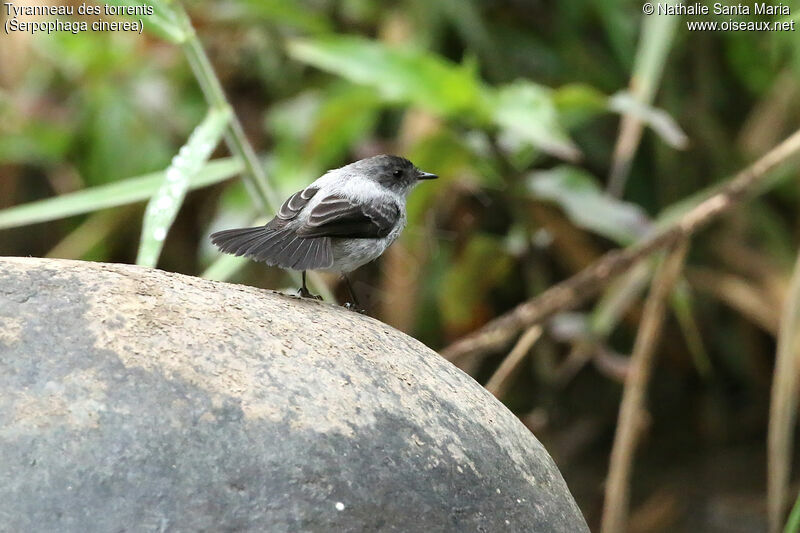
(137, 400)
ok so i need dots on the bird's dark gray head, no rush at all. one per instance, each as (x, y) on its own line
(391, 171)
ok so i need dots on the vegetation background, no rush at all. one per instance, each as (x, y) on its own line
(561, 130)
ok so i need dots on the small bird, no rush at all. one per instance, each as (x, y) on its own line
(345, 219)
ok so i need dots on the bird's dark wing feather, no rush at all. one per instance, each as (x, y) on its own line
(336, 216)
(295, 203)
(309, 246)
(276, 245)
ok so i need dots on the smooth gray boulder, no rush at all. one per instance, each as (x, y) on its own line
(138, 400)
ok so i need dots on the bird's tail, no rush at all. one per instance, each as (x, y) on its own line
(276, 246)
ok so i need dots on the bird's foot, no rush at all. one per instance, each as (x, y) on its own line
(305, 293)
(352, 307)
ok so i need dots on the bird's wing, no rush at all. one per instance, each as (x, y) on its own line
(295, 203)
(337, 216)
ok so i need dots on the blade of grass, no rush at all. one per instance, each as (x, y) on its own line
(261, 190)
(172, 20)
(91, 233)
(683, 308)
(793, 522)
(175, 23)
(164, 20)
(618, 299)
(115, 194)
(783, 405)
(656, 40)
(166, 202)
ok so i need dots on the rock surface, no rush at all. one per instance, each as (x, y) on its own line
(137, 400)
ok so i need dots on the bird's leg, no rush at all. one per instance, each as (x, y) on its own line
(354, 304)
(304, 292)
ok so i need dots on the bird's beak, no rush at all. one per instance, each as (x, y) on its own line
(426, 175)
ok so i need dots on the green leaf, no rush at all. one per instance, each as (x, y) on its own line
(682, 302)
(618, 298)
(346, 115)
(655, 42)
(587, 205)
(659, 120)
(165, 21)
(656, 39)
(35, 141)
(526, 112)
(114, 194)
(111, 129)
(165, 203)
(295, 14)
(576, 103)
(290, 124)
(401, 75)
(314, 131)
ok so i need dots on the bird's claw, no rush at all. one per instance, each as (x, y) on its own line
(305, 293)
(352, 307)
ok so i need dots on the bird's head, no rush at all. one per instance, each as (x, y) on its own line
(393, 172)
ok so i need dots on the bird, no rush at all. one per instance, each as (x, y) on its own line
(346, 218)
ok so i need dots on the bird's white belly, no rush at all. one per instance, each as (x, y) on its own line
(349, 254)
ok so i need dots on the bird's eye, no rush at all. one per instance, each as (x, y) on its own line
(397, 173)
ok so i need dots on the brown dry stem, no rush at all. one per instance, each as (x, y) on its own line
(500, 380)
(615, 508)
(499, 332)
(783, 406)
